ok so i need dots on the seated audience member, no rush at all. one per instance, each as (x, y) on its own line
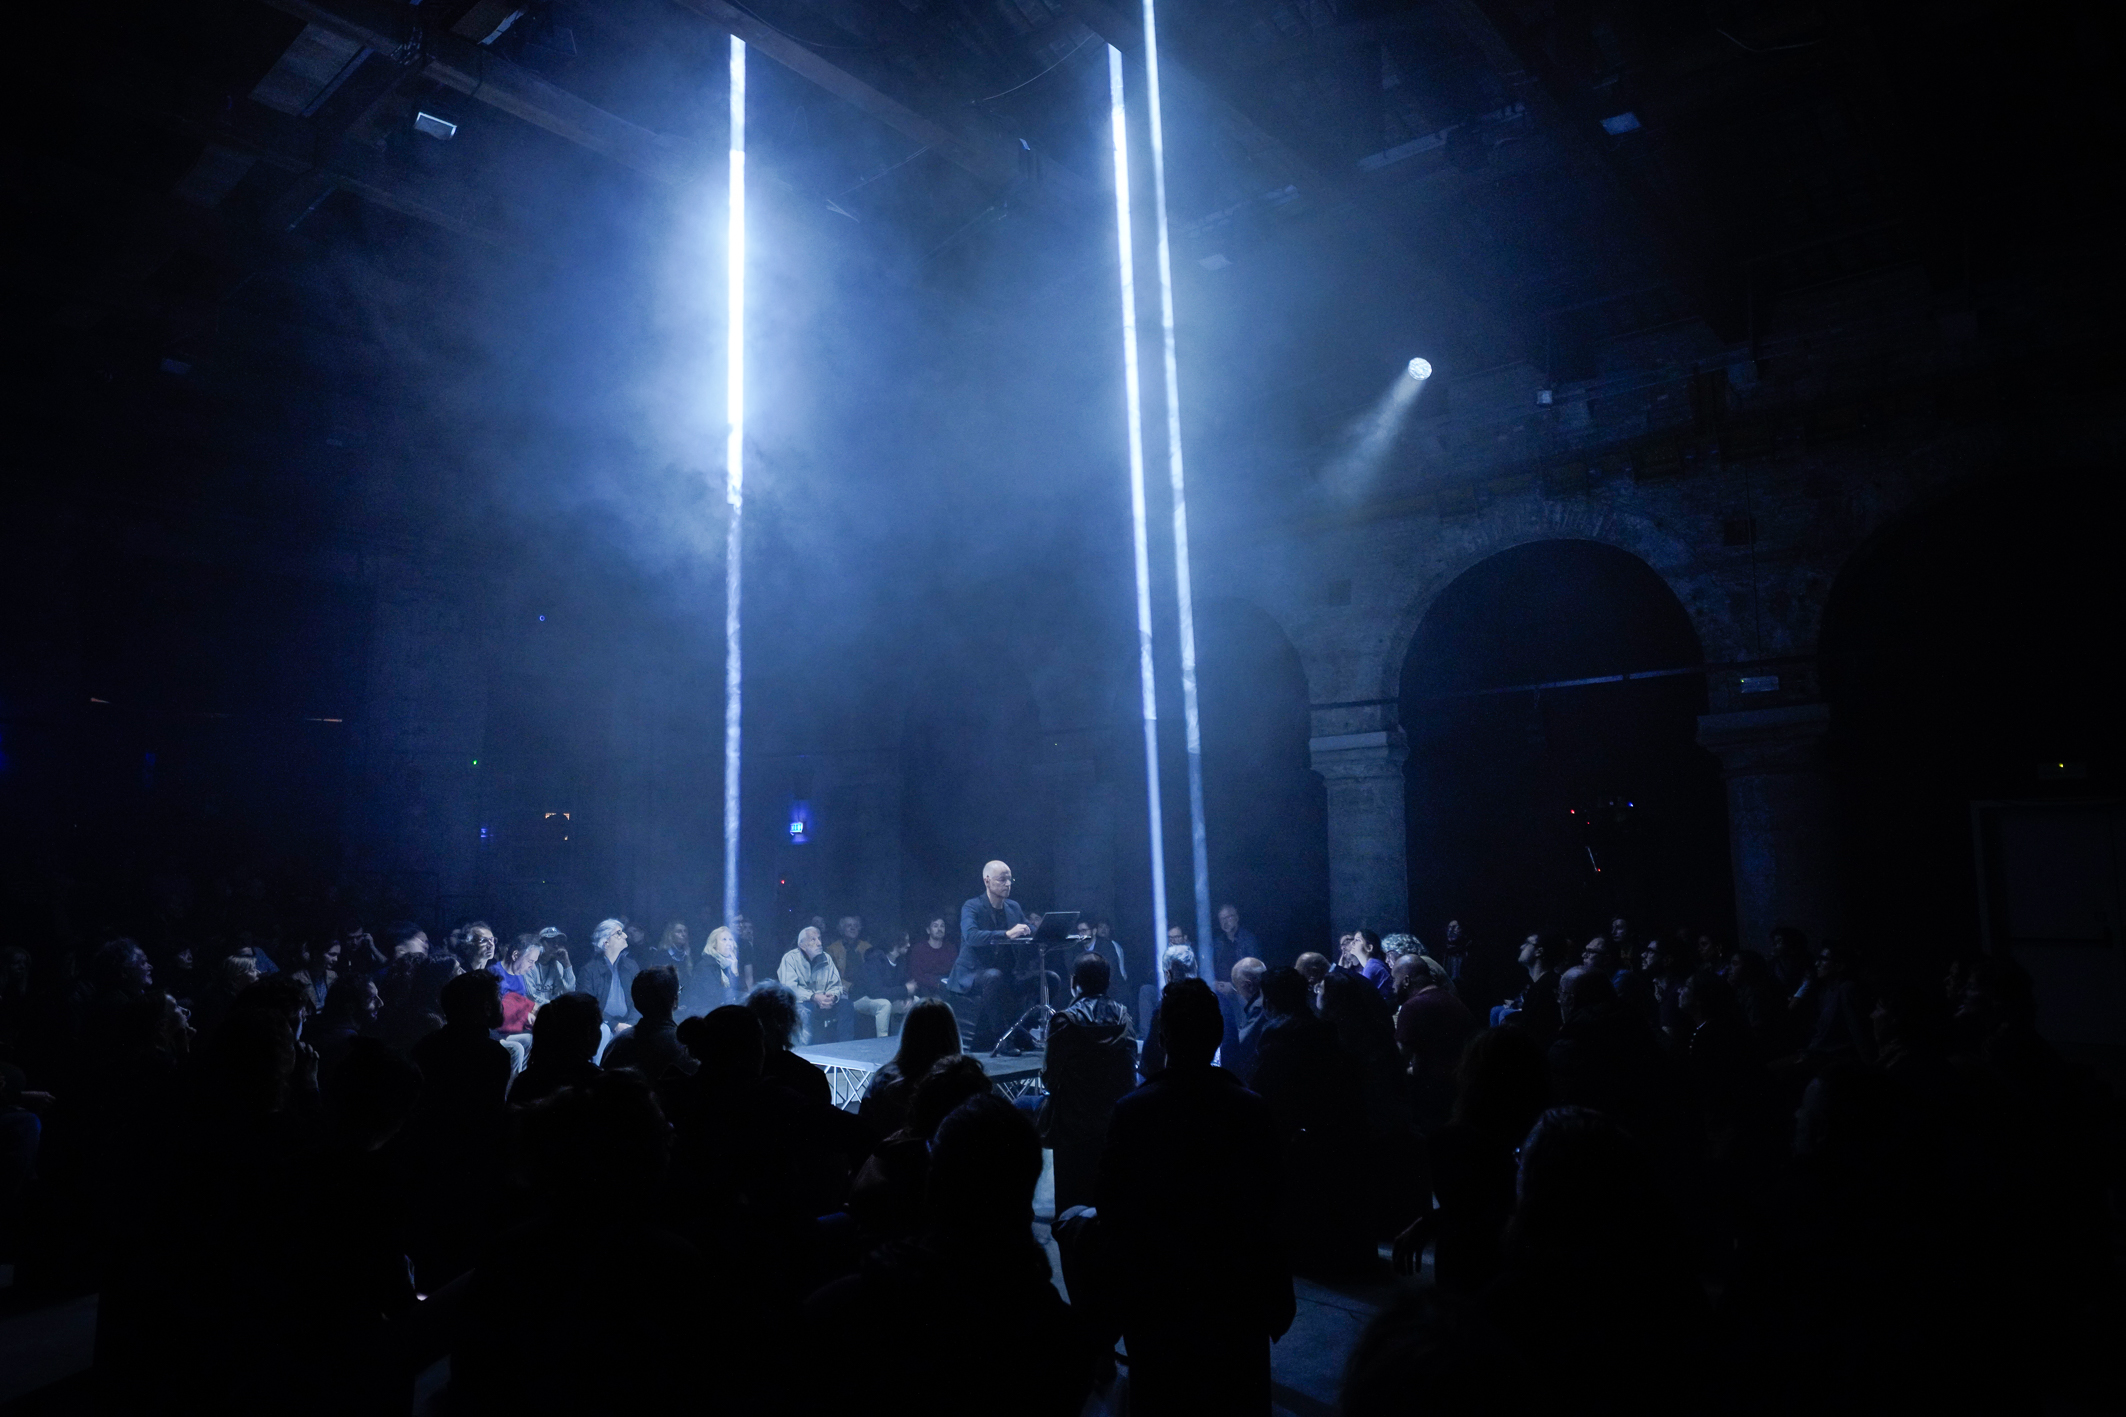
(413, 1001)
(1606, 1058)
(1360, 954)
(1241, 1004)
(564, 1040)
(976, 1240)
(555, 974)
(932, 1032)
(887, 1196)
(808, 972)
(1431, 1029)
(1313, 967)
(718, 978)
(1091, 1063)
(930, 962)
(1841, 1009)
(776, 1009)
(465, 1073)
(882, 978)
(474, 945)
(608, 975)
(1503, 1085)
(1763, 1003)
(351, 1009)
(1535, 1009)
(406, 938)
(1194, 1131)
(652, 1046)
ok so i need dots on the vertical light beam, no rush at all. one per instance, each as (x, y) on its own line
(734, 448)
(1199, 850)
(1118, 117)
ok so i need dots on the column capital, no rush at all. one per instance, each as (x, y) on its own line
(1379, 753)
(1752, 742)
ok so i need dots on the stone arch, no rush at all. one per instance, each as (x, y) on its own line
(1503, 527)
(1541, 808)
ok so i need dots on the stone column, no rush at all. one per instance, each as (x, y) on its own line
(1369, 866)
(1778, 817)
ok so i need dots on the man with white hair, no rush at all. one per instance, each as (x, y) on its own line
(808, 972)
(609, 977)
(991, 924)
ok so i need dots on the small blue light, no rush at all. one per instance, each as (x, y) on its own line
(542, 619)
(1621, 124)
(800, 822)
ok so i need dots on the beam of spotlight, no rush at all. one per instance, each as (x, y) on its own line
(1371, 436)
(734, 393)
(1118, 117)
(1199, 850)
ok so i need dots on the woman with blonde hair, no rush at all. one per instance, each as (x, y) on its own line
(716, 978)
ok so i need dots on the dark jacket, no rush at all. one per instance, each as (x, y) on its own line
(982, 942)
(1195, 1132)
(650, 1049)
(594, 977)
(1243, 1032)
(1092, 1062)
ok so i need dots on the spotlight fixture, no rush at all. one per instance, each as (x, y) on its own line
(1421, 369)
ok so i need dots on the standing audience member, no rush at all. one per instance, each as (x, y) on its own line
(1194, 1131)
(1091, 1063)
(976, 1240)
(1431, 1029)
(1176, 964)
(1241, 1004)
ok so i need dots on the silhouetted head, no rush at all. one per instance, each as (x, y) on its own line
(566, 1032)
(371, 1093)
(1286, 993)
(1090, 976)
(984, 1163)
(1247, 977)
(950, 1082)
(1582, 988)
(1502, 1082)
(1191, 1025)
(655, 993)
(727, 1043)
(473, 1001)
(1313, 967)
(1583, 1181)
(776, 1008)
(606, 1139)
(930, 1032)
(351, 1002)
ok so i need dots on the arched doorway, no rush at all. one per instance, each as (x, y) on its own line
(1266, 811)
(1540, 803)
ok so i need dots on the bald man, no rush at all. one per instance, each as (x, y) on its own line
(989, 924)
